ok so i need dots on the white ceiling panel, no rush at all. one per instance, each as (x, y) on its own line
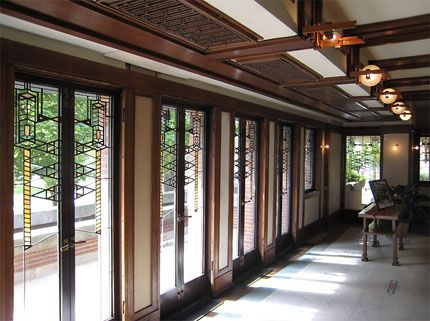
(254, 16)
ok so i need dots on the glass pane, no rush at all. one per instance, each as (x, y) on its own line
(194, 195)
(236, 195)
(168, 198)
(286, 166)
(250, 185)
(36, 197)
(361, 166)
(424, 159)
(93, 206)
(309, 158)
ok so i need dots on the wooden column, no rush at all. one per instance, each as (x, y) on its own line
(6, 191)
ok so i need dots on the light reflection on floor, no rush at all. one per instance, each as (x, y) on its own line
(329, 282)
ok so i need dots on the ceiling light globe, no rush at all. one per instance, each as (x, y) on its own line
(406, 115)
(388, 96)
(370, 79)
(398, 108)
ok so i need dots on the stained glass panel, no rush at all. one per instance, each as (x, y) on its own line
(36, 201)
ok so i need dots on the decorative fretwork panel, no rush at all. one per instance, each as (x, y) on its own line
(37, 143)
(178, 18)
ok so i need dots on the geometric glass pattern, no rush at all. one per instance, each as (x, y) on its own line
(92, 119)
(309, 158)
(424, 150)
(36, 137)
(284, 172)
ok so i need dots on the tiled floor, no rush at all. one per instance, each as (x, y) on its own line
(328, 281)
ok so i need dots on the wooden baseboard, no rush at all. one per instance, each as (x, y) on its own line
(309, 231)
(153, 316)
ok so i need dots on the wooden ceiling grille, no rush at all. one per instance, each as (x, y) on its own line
(180, 19)
(279, 71)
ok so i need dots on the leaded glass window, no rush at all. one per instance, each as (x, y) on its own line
(309, 159)
(424, 150)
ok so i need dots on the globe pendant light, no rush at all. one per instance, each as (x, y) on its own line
(388, 96)
(406, 115)
(398, 108)
(368, 78)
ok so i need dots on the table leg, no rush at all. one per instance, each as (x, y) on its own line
(375, 241)
(364, 257)
(395, 259)
(402, 232)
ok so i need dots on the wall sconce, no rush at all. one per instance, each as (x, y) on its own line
(416, 147)
(327, 146)
(396, 147)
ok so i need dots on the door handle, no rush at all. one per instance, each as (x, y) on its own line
(68, 245)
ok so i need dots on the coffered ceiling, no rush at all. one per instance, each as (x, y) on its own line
(256, 45)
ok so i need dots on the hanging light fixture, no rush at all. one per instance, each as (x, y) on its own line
(406, 115)
(398, 108)
(388, 96)
(370, 75)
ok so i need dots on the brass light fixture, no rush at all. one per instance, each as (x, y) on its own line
(388, 96)
(406, 115)
(370, 75)
(398, 108)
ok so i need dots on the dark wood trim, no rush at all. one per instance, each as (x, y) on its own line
(213, 199)
(402, 82)
(414, 95)
(393, 31)
(309, 231)
(342, 172)
(155, 191)
(260, 48)
(396, 129)
(262, 203)
(320, 82)
(127, 199)
(7, 76)
(62, 66)
(410, 62)
(296, 181)
(153, 316)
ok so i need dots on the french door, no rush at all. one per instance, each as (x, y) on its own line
(63, 203)
(284, 190)
(245, 194)
(182, 206)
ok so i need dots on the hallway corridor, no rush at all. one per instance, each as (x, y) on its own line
(328, 281)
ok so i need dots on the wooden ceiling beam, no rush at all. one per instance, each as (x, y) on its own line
(263, 47)
(393, 31)
(411, 62)
(389, 26)
(416, 95)
(323, 82)
(406, 82)
(83, 22)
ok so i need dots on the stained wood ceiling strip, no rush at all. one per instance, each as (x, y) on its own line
(322, 82)
(410, 62)
(403, 82)
(263, 47)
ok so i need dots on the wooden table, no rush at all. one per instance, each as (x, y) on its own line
(378, 226)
